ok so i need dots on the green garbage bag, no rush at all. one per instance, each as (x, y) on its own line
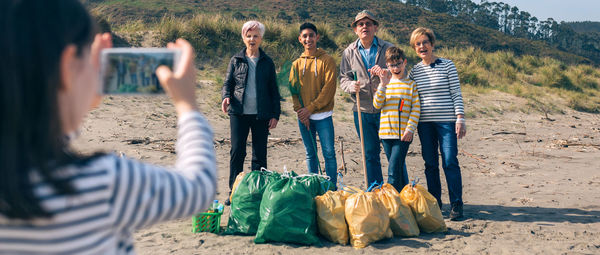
(316, 184)
(245, 202)
(287, 214)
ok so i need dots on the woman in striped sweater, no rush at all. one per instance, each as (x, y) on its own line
(398, 100)
(54, 200)
(442, 119)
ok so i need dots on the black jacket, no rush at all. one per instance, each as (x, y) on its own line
(267, 92)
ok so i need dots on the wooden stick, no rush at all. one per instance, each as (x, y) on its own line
(362, 138)
(342, 169)
(473, 157)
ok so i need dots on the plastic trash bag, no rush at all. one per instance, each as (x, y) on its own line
(316, 184)
(402, 221)
(331, 216)
(237, 181)
(287, 214)
(368, 219)
(245, 202)
(424, 207)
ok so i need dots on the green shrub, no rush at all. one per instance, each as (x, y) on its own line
(470, 75)
(584, 104)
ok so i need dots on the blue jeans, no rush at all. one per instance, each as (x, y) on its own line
(133, 77)
(370, 123)
(324, 128)
(442, 135)
(395, 151)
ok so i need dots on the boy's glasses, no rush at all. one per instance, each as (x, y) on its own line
(397, 65)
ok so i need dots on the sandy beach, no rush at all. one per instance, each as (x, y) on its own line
(531, 181)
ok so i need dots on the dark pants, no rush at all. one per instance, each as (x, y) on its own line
(442, 136)
(396, 150)
(370, 122)
(240, 126)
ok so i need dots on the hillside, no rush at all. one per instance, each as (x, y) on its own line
(585, 26)
(548, 78)
(398, 18)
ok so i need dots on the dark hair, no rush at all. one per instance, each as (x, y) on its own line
(34, 35)
(394, 54)
(309, 26)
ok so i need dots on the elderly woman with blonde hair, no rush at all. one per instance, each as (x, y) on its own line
(442, 120)
(251, 98)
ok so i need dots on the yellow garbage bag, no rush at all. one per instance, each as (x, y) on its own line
(425, 208)
(331, 216)
(402, 221)
(368, 219)
(346, 191)
(237, 181)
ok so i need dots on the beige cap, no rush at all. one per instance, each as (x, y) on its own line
(365, 14)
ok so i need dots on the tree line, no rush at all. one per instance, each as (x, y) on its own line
(585, 26)
(512, 21)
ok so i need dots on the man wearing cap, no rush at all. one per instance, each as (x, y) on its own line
(360, 56)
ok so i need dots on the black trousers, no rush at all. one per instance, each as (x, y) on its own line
(240, 126)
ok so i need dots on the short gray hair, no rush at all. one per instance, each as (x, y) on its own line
(251, 25)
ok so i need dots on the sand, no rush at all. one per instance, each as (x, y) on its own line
(531, 182)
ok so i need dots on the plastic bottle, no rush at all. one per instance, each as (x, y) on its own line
(215, 206)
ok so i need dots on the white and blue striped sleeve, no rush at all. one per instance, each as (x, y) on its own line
(145, 194)
(454, 85)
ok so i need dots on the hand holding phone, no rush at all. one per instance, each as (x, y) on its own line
(180, 84)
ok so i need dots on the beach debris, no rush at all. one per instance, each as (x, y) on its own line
(166, 145)
(273, 141)
(509, 133)
(567, 143)
(472, 156)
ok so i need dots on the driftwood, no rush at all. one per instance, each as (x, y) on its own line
(471, 156)
(166, 145)
(147, 140)
(564, 143)
(509, 133)
(272, 141)
(286, 141)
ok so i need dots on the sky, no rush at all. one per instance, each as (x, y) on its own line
(559, 10)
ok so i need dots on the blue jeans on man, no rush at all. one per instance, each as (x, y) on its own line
(324, 128)
(396, 150)
(442, 135)
(370, 123)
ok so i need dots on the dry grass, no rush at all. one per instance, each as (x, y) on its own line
(547, 83)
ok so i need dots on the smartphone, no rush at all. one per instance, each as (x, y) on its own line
(133, 70)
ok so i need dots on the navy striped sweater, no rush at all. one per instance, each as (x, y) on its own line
(439, 90)
(116, 196)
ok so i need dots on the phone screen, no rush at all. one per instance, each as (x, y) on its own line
(133, 70)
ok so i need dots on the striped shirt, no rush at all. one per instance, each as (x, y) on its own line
(116, 196)
(388, 99)
(439, 90)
